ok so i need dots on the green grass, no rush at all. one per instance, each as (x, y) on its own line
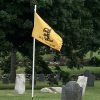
(11, 95)
(92, 93)
(76, 71)
(39, 85)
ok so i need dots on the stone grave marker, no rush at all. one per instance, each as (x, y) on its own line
(41, 77)
(5, 79)
(71, 91)
(52, 89)
(20, 83)
(82, 81)
(91, 78)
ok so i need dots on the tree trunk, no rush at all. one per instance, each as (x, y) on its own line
(13, 66)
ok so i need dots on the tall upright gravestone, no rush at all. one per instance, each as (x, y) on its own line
(91, 78)
(71, 91)
(82, 81)
(20, 83)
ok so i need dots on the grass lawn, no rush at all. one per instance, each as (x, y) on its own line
(76, 71)
(11, 95)
(92, 93)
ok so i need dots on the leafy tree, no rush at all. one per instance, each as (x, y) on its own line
(5, 62)
(16, 23)
(77, 21)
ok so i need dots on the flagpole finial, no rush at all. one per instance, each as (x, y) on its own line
(35, 8)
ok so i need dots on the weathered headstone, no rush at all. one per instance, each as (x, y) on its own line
(52, 89)
(71, 91)
(41, 77)
(91, 78)
(5, 79)
(20, 83)
(52, 79)
(82, 81)
(46, 90)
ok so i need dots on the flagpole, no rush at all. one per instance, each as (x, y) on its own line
(33, 65)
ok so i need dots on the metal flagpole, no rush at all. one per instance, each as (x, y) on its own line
(33, 59)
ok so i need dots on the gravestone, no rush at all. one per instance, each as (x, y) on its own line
(52, 79)
(5, 79)
(41, 77)
(71, 91)
(20, 83)
(57, 77)
(91, 78)
(46, 90)
(82, 81)
(52, 89)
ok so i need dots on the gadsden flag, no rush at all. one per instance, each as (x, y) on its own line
(45, 34)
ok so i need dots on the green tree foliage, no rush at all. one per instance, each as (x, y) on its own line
(15, 21)
(78, 22)
(5, 62)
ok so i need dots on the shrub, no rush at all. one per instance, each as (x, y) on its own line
(65, 77)
(94, 61)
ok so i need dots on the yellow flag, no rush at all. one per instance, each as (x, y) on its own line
(45, 34)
